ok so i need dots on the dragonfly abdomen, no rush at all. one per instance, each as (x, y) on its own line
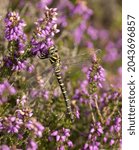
(64, 92)
(55, 61)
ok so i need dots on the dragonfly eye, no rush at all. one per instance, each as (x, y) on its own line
(43, 55)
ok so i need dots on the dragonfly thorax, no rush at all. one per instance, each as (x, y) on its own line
(54, 56)
(52, 50)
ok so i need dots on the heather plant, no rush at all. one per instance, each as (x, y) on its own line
(33, 113)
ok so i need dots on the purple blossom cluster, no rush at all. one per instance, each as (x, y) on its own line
(43, 3)
(22, 120)
(105, 134)
(98, 77)
(14, 33)
(82, 91)
(102, 134)
(35, 126)
(65, 10)
(112, 53)
(41, 93)
(85, 13)
(46, 28)
(61, 137)
(11, 124)
(17, 65)
(93, 142)
(14, 30)
(114, 127)
(95, 76)
(6, 89)
(109, 97)
(4, 147)
(32, 145)
(83, 10)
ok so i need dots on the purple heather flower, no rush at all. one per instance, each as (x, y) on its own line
(15, 64)
(118, 120)
(32, 145)
(70, 144)
(108, 121)
(22, 101)
(95, 132)
(91, 146)
(46, 28)
(30, 69)
(118, 124)
(55, 133)
(14, 27)
(83, 10)
(20, 65)
(12, 124)
(43, 3)
(111, 128)
(66, 5)
(20, 136)
(85, 69)
(4, 147)
(77, 114)
(79, 31)
(89, 44)
(97, 128)
(37, 127)
(92, 32)
(78, 34)
(61, 148)
(112, 142)
(46, 95)
(61, 136)
(24, 113)
(34, 93)
(57, 92)
(111, 52)
(86, 146)
(105, 139)
(82, 91)
(103, 34)
(62, 21)
(66, 132)
(5, 90)
(99, 76)
(57, 138)
(14, 30)
(83, 86)
(8, 87)
(112, 55)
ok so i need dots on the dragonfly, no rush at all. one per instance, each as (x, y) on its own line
(55, 61)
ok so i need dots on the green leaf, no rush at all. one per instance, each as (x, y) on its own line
(73, 1)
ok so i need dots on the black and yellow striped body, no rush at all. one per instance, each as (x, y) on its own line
(55, 61)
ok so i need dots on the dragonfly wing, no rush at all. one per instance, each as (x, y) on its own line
(81, 57)
(41, 79)
(69, 67)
